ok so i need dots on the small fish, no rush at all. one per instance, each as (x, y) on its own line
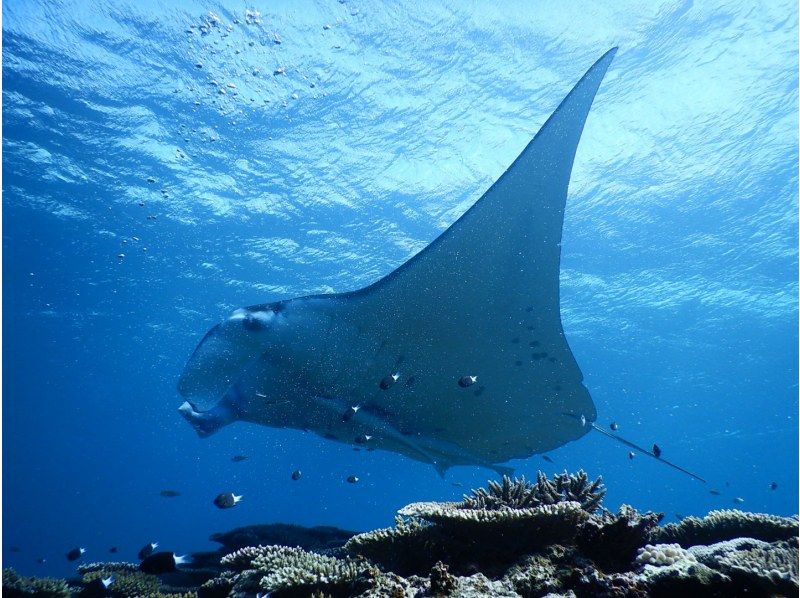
(458, 484)
(348, 415)
(75, 554)
(657, 451)
(352, 479)
(15, 549)
(296, 474)
(631, 455)
(614, 426)
(363, 439)
(583, 421)
(170, 493)
(147, 550)
(163, 562)
(41, 560)
(715, 492)
(239, 458)
(773, 485)
(546, 458)
(387, 382)
(467, 381)
(738, 500)
(227, 500)
(121, 256)
(113, 550)
(97, 588)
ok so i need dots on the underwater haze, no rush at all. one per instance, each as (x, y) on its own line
(166, 163)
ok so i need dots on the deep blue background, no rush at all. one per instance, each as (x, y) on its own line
(679, 279)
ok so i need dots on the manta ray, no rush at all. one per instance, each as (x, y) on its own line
(457, 357)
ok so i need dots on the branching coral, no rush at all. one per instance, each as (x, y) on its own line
(288, 571)
(522, 494)
(15, 585)
(126, 582)
(106, 567)
(719, 526)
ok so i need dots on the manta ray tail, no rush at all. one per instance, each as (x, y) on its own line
(205, 423)
(645, 451)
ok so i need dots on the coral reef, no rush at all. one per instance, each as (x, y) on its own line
(293, 571)
(126, 582)
(521, 494)
(727, 524)
(512, 539)
(15, 585)
(612, 541)
(449, 533)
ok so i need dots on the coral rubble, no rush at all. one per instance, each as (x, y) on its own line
(512, 539)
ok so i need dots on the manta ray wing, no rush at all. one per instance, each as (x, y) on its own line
(482, 300)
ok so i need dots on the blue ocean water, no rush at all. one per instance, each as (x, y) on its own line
(238, 154)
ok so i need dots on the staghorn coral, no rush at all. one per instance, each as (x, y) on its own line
(719, 526)
(521, 494)
(242, 559)
(15, 585)
(611, 541)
